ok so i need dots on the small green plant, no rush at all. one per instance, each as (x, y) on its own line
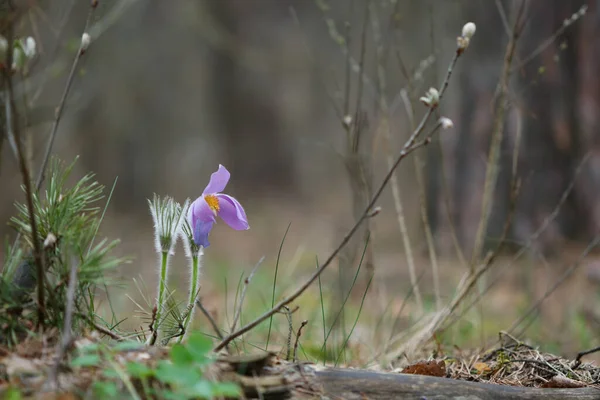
(181, 376)
(67, 220)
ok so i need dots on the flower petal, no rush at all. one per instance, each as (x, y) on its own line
(201, 231)
(200, 210)
(201, 219)
(232, 212)
(218, 181)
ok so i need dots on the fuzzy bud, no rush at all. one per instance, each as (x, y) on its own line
(468, 30)
(50, 240)
(446, 123)
(347, 121)
(431, 98)
(3, 48)
(29, 47)
(85, 41)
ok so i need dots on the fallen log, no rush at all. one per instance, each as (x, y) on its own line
(352, 384)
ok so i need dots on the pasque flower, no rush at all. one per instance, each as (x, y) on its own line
(203, 212)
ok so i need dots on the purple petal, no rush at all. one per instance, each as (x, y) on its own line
(201, 219)
(201, 231)
(200, 210)
(232, 212)
(218, 181)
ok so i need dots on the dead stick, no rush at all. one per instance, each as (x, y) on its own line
(210, 319)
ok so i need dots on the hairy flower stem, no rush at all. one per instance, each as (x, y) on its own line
(193, 294)
(161, 290)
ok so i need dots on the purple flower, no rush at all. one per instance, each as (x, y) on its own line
(203, 211)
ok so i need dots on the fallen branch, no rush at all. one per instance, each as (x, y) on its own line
(360, 384)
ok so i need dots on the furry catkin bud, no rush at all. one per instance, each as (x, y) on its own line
(446, 123)
(85, 41)
(468, 30)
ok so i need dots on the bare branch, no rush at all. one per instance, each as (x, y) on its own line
(407, 148)
(298, 334)
(61, 104)
(13, 131)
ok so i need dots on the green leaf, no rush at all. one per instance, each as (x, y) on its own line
(89, 348)
(177, 374)
(199, 346)
(181, 356)
(139, 370)
(13, 394)
(105, 390)
(86, 360)
(203, 389)
(226, 389)
(110, 373)
(170, 395)
(128, 346)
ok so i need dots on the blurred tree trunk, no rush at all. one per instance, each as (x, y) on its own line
(546, 94)
(257, 153)
(478, 83)
(588, 111)
(551, 146)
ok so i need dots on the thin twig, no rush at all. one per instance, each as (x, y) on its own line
(275, 281)
(60, 108)
(497, 133)
(551, 217)
(67, 335)
(408, 147)
(565, 275)
(503, 18)
(12, 127)
(359, 96)
(298, 334)
(544, 45)
(581, 354)
(288, 315)
(210, 318)
(428, 234)
(152, 328)
(312, 63)
(395, 186)
(238, 310)
(491, 175)
(435, 323)
(410, 260)
(108, 332)
(63, 100)
(421, 182)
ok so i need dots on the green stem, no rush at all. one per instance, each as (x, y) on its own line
(161, 289)
(193, 293)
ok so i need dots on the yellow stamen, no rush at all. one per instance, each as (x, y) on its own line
(212, 202)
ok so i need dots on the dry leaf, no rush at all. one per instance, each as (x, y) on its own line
(481, 367)
(562, 382)
(430, 368)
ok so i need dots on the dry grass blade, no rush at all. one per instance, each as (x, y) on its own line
(238, 310)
